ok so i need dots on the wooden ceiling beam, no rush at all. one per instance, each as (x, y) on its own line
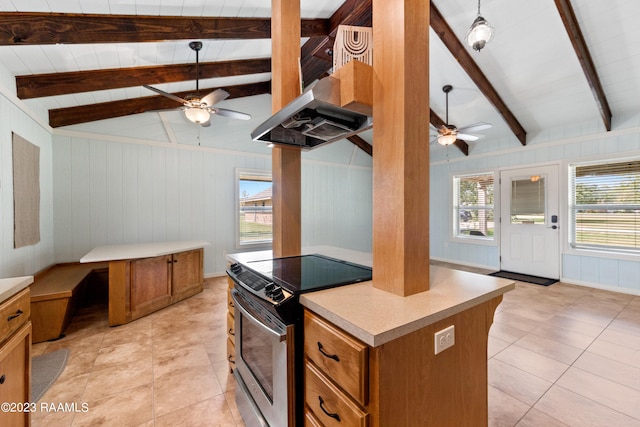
(316, 62)
(437, 122)
(584, 57)
(107, 110)
(361, 144)
(34, 28)
(41, 85)
(461, 54)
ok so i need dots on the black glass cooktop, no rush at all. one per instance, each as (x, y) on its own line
(305, 273)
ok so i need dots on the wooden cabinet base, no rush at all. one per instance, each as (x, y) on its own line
(408, 384)
(15, 376)
(142, 286)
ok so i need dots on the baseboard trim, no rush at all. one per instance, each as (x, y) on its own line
(617, 289)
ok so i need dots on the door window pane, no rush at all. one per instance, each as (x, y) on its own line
(528, 200)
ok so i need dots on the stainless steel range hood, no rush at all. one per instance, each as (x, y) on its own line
(313, 118)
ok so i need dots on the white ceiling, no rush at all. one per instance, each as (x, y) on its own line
(530, 62)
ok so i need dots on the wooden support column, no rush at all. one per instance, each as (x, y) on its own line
(401, 146)
(285, 163)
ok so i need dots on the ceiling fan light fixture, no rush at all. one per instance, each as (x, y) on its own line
(446, 139)
(480, 32)
(197, 115)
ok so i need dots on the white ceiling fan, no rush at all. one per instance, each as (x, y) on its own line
(448, 133)
(199, 109)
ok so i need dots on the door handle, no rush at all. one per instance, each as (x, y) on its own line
(555, 227)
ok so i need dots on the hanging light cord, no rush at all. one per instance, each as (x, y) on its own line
(478, 7)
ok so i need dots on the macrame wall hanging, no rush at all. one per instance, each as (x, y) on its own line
(352, 43)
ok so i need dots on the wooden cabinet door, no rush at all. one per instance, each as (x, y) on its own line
(150, 285)
(187, 274)
(15, 376)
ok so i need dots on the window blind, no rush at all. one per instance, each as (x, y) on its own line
(605, 206)
(473, 206)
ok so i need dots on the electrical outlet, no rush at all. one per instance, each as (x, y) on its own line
(444, 339)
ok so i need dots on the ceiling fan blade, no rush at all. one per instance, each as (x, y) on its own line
(214, 97)
(467, 137)
(166, 110)
(475, 127)
(167, 94)
(230, 113)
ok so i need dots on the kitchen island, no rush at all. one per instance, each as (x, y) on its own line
(370, 356)
(144, 278)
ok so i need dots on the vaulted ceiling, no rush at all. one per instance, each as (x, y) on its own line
(566, 62)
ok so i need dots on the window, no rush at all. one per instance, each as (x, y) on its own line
(255, 212)
(473, 206)
(604, 206)
(528, 201)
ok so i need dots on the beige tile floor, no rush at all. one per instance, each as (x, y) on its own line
(558, 356)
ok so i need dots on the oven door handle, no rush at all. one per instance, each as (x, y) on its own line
(282, 336)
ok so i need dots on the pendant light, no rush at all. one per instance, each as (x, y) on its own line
(480, 32)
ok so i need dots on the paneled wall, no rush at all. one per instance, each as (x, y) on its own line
(561, 146)
(29, 259)
(336, 206)
(108, 192)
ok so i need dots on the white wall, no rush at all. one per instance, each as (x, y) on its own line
(562, 146)
(29, 259)
(336, 206)
(114, 192)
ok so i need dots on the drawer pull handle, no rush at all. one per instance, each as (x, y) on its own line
(329, 414)
(13, 316)
(325, 354)
(231, 304)
(231, 359)
(231, 332)
(2, 379)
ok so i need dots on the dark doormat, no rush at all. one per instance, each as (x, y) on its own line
(536, 280)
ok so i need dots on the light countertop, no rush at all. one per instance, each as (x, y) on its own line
(140, 250)
(375, 316)
(12, 285)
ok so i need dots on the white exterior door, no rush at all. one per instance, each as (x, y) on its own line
(529, 233)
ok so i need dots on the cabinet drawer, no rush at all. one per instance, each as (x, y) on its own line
(14, 312)
(341, 357)
(330, 405)
(231, 352)
(310, 419)
(230, 326)
(230, 305)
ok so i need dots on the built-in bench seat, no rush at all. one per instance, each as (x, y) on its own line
(55, 293)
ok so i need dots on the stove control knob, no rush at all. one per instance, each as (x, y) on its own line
(236, 268)
(277, 294)
(268, 289)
